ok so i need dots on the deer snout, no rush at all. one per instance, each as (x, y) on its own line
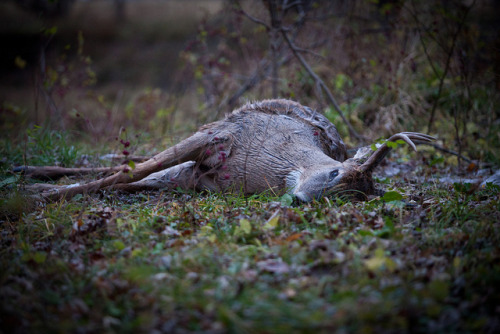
(315, 183)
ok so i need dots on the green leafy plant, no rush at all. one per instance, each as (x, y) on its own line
(49, 147)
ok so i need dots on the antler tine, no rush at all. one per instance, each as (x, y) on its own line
(405, 138)
(421, 136)
(382, 151)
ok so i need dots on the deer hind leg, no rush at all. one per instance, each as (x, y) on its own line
(194, 148)
(186, 176)
(179, 176)
(56, 172)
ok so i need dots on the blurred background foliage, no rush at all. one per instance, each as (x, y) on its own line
(91, 69)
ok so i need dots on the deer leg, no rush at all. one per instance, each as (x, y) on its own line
(182, 176)
(55, 172)
(193, 148)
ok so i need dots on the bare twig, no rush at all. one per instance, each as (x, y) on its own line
(445, 150)
(422, 41)
(277, 27)
(254, 19)
(49, 100)
(445, 73)
(274, 44)
(449, 53)
(298, 49)
(259, 74)
(321, 84)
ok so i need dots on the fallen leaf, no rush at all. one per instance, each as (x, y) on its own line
(392, 196)
(244, 228)
(272, 222)
(273, 266)
(170, 231)
(286, 200)
(472, 167)
(293, 237)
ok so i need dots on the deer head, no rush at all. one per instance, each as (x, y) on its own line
(352, 178)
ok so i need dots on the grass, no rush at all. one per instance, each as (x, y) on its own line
(225, 263)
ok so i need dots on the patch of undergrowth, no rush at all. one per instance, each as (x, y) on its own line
(39, 146)
(424, 261)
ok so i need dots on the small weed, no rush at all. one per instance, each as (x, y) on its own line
(47, 148)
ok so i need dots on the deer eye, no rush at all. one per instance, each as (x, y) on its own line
(333, 174)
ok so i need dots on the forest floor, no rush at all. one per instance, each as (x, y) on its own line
(423, 258)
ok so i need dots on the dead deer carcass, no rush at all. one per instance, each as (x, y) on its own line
(273, 145)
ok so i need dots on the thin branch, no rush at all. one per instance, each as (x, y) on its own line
(445, 150)
(254, 19)
(449, 54)
(298, 49)
(287, 6)
(260, 73)
(441, 79)
(276, 25)
(47, 93)
(424, 45)
(320, 84)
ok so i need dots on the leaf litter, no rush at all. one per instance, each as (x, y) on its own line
(424, 255)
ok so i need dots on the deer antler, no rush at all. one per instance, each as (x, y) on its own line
(382, 151)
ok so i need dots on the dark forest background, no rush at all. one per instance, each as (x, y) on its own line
(165, 67)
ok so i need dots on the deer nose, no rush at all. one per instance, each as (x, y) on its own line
(301, 197)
